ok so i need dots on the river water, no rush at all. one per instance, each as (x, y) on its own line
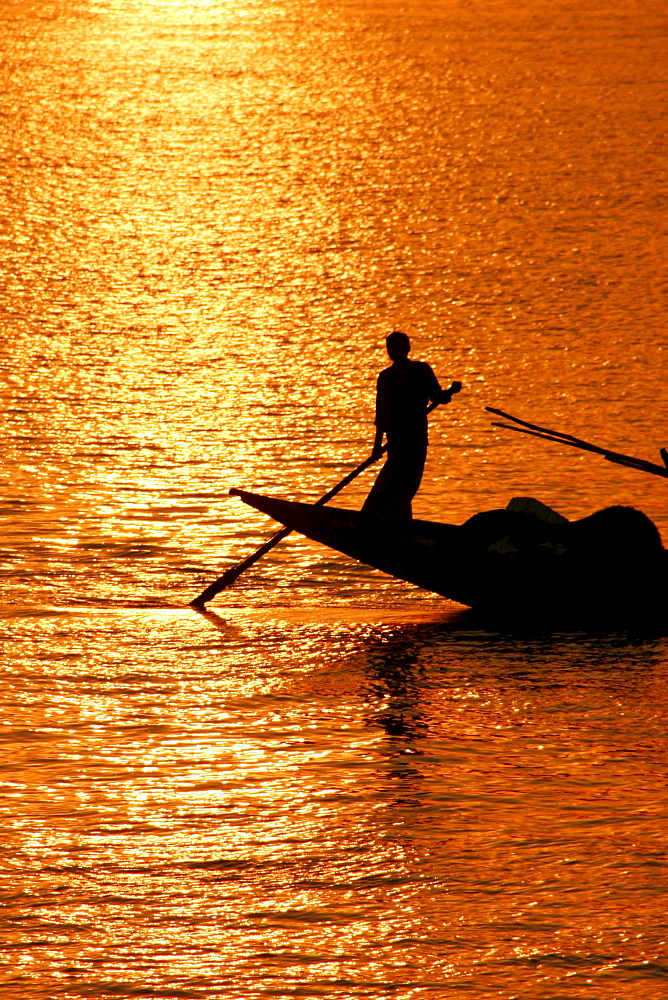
(331, 784)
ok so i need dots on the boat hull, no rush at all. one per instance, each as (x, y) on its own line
(570, 567)
(423, 553)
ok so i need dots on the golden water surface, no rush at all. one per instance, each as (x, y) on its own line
(333, 785)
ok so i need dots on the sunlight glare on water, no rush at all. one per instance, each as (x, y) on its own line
(331, 784)
(344, 804)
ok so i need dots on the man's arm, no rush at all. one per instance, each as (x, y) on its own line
(380, 416)
(435, 393)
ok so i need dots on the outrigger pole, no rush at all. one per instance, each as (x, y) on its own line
(611, 456)
(234, 572)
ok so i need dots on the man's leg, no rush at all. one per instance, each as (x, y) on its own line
(397, 483)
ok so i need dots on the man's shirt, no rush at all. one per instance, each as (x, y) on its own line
(403, 392)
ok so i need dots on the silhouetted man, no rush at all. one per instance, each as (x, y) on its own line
(403, 393)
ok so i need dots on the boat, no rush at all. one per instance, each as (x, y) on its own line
(524, 559)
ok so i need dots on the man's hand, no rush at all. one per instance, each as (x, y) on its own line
(377, 447)
(449, 393)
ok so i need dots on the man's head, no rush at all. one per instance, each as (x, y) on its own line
(398, 345)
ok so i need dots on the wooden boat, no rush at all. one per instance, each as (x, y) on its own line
(525, 558)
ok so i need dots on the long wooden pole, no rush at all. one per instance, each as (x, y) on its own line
(234, 572)
(535, 430)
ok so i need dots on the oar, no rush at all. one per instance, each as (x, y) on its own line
(535, 430)
(234, 572)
